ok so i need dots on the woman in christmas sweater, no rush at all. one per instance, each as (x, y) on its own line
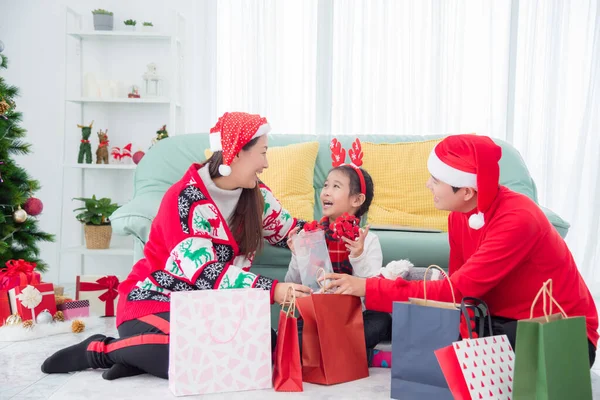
(207, 229)
(502, 246)
(346, 196)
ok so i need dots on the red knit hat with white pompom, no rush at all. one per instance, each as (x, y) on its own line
(469, 161)
(232, 132)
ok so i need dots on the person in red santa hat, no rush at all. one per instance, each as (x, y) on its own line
(207, 230)
(502, 246)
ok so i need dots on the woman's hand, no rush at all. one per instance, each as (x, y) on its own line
(282, 287)
(356, 247)
(346, 284)
(290, 241)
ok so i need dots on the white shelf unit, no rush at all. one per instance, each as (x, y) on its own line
(80, 108)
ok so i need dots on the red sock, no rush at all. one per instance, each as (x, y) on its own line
(381, 359)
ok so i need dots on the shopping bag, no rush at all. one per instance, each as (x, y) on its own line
(333, 339)
(220, 341)
(287, 369)
(478, 368)
(552, 360)
(419, 327)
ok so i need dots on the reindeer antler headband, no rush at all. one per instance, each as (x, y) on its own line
(338, 156)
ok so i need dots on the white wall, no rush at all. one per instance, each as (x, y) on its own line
(33, 32)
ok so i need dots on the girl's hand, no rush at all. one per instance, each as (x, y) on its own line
(356, 247)
(345, 284)
(282, 287)
(290, 242)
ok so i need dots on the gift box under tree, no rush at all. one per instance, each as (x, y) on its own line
(75, 309)
(4, 306)
(100, 291)
(18, 273)
(29, 301)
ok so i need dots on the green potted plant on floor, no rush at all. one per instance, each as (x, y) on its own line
(95, 215)
(130, 24)
(147, 27)
(103, 20)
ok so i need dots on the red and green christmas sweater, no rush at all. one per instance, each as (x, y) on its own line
(191, 248)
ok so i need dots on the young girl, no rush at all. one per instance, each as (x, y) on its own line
(349, 190)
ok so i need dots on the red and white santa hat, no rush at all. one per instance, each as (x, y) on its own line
(232, 132)
(469, 161)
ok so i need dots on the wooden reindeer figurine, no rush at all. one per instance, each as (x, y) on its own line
(85, 148)
(102, 151)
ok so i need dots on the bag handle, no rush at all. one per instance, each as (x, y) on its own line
(215, 338)
(291, 302)
(445, 276)
(546, 293)
(479, 313)
(321, 283)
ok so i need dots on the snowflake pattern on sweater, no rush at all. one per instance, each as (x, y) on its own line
(207, 256)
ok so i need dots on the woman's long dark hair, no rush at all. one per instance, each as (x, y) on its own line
(245, 223)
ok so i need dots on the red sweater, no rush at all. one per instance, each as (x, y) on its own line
(504, 263)
(191, 248)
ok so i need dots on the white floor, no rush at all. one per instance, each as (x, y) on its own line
(21, 377)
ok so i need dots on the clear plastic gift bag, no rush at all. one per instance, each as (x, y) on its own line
(312, 256)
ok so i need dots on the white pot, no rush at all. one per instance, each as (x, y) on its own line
(147, 28)
(130, 28)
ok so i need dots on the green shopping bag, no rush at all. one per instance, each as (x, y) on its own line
(551, 358)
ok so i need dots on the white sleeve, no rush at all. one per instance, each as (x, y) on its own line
(369, 263)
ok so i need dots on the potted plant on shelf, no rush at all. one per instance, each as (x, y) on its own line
(130, 24)
(103, 20)
(147, 27)
(95, 216)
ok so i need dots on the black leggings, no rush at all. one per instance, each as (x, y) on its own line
(508, 327)
(143, 344)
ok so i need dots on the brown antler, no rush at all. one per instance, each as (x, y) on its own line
(91, 124)
(338, 154)
(355, 153)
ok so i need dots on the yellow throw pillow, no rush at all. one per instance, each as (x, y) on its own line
(290, 177)
(399, 173)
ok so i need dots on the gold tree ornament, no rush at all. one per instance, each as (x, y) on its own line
(5, 106)
(20, 215)
(14, 319)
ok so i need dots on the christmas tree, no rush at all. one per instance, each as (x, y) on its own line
(19, 232)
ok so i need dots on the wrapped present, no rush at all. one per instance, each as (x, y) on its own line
(4, 306)
(18, 273)
(101, 291)
(74, 309)
(29, 301)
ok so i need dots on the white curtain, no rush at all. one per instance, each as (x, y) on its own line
(420, 67)
(524, 71)
(266, 61)
(557, 117)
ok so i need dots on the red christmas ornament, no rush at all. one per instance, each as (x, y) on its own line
(137, 156)
(33, 206)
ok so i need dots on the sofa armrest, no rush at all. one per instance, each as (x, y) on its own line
(135, 217)
(560, 224)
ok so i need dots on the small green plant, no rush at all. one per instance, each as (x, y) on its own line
(148, 24)
(130, 22)
(101, 11)
(96, 211)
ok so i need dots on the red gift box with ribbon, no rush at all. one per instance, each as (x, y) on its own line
(18, 273)
(30, 300)
(4, 306)
(101, 291)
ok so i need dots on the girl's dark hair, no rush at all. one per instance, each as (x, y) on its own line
(245, 223)
(352, 174)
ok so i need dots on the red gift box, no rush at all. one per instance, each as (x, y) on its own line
(18, 273)
(29, 301)
(4, 306)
